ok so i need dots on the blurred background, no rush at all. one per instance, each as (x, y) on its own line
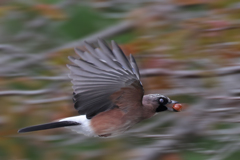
(188, 50)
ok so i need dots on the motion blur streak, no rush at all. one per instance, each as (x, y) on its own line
(186, 49)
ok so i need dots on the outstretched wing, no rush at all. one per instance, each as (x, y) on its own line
(103, 79)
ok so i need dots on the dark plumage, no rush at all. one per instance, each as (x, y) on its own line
(108, 93)
(107, 73)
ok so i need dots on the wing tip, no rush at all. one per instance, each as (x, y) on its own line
(114, 44)
(78, 50)
(87, 44)
(71, 58)
(132, 59)
(100, 39)
(68, 66)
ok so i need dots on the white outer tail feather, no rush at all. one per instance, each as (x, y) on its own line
(85, 127)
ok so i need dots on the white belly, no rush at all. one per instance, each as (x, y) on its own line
(85, 127)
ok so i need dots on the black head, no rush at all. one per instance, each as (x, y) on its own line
(163, 102)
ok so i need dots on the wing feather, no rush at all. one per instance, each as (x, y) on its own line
(134, 66)
(101, 77)
(120, 57)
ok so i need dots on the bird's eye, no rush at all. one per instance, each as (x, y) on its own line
(163, 101)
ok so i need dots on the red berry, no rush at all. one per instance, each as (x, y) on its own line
(177, 107)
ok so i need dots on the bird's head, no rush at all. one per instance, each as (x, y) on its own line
(162, 103)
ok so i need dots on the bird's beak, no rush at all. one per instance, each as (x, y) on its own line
(174, 106)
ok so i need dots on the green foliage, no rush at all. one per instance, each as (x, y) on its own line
(82, 21)
(192, 155)
(125, 37)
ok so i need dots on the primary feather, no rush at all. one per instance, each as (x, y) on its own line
(98, 74)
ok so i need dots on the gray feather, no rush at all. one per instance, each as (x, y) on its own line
(80, 53)
(99, 74)
(103, 45)
(120, 56)
(134, 66)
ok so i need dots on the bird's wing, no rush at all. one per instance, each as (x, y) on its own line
(103, 79)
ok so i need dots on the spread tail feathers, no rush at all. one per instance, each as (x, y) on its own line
(48, 126)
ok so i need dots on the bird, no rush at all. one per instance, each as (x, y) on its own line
(107, 93)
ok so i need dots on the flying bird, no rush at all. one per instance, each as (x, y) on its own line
(108, 94)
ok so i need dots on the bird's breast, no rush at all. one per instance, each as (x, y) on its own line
(113, 122)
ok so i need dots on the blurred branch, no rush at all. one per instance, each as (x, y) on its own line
(235, 92)
(224, 97)
(215, 110)
(180, 133)
(50, 100)
(5, 59)
(235, 131)
(190, 74)
(226, 151)
(50, 78)
(159, 121)
(162, 136)
(9, 48)
(172, 92)
(53, 78)
(20, 92)
(108, 32)
(220, 29)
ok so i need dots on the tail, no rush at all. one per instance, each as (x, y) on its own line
(48, 126)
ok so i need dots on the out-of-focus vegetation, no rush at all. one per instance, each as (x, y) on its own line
(186, 49)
